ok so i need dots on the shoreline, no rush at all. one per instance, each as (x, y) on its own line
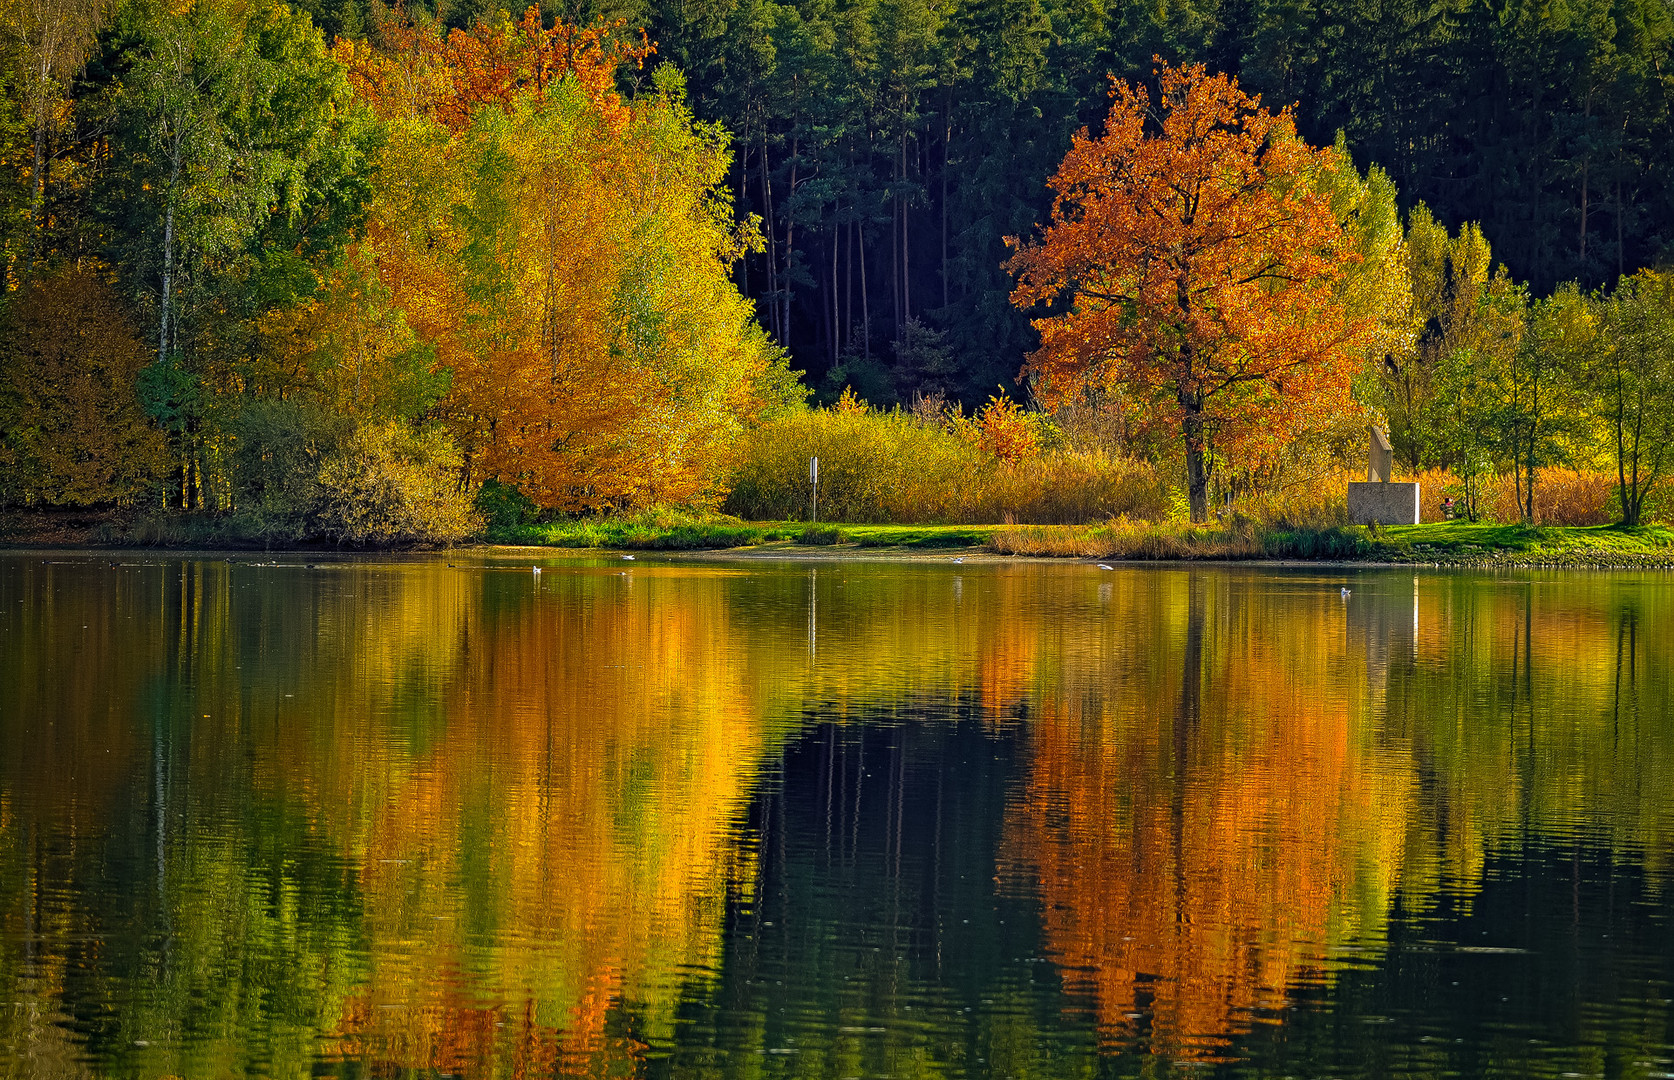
(292, 557)
(1443, 545)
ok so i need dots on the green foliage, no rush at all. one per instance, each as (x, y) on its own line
(665, 529)
(1452, 543)
(889, 147)
(503, 507)
(1633, 376)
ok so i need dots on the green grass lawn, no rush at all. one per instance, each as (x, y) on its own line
(672, 531)
(1450, 543)
(1459, 541)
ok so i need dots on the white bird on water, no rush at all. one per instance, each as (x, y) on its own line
(1345, 592)
(960, 559)
(628, 557)
(537, 570)
(1106, 566)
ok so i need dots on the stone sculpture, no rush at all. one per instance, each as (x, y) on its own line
(1377, 501)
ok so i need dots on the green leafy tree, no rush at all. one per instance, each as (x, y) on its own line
(1634, 379)
(244, 166)
(1546, 408)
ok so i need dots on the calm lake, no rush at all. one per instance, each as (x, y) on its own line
(297, 815)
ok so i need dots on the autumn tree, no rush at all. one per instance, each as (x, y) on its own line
(568, 251)
(1199, 264)
(53, 39)
(71, 427)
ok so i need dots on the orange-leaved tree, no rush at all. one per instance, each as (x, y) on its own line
(567, 253)
(1200, 260)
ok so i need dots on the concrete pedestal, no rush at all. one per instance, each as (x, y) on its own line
(1386, 504)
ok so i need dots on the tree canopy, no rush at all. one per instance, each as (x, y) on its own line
(1200, 264)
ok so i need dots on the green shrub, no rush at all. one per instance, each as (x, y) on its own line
(278, 448)
(822, 535)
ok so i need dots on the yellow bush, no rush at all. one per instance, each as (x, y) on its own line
(896, 467)
(392, 484)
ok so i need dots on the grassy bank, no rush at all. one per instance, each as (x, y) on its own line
(679, 532)
(1446, 544)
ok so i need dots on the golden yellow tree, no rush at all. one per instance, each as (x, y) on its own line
(568, 253)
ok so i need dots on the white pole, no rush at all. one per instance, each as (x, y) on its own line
(814, 482)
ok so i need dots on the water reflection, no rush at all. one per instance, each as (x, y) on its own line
(852, 820)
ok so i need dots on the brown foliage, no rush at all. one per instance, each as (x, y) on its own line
(71, 427)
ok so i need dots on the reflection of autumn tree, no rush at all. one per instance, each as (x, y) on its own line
(1226, 814)
(582, 804)
(1199, 851)
(446, 817)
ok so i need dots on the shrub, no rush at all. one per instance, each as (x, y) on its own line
(72, 428)
(278, 448)
(391, 484)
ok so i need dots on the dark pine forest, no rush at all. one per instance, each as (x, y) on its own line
(890, 146)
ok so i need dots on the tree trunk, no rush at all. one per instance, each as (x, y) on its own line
(37, 205)
(865, 304)
(895, 257)
(166, 300)
(790, 245)
(1630, 512)
(847, 329)
(741, 268)
(1197, 466)
(772, 254)
(1586, 160)
(836, 327)
(906, 267)
(947, 139)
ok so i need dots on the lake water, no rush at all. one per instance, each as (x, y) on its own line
(389, 817)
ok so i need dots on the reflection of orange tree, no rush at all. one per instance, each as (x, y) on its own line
(1211, 836)
(535, 788)
(1215, 812)
(567, 843)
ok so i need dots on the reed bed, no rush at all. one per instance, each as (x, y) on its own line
(1145, 541)
(896, 468)
(1562, 496)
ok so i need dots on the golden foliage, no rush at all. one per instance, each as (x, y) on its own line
(897, 467)
(568, 254)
